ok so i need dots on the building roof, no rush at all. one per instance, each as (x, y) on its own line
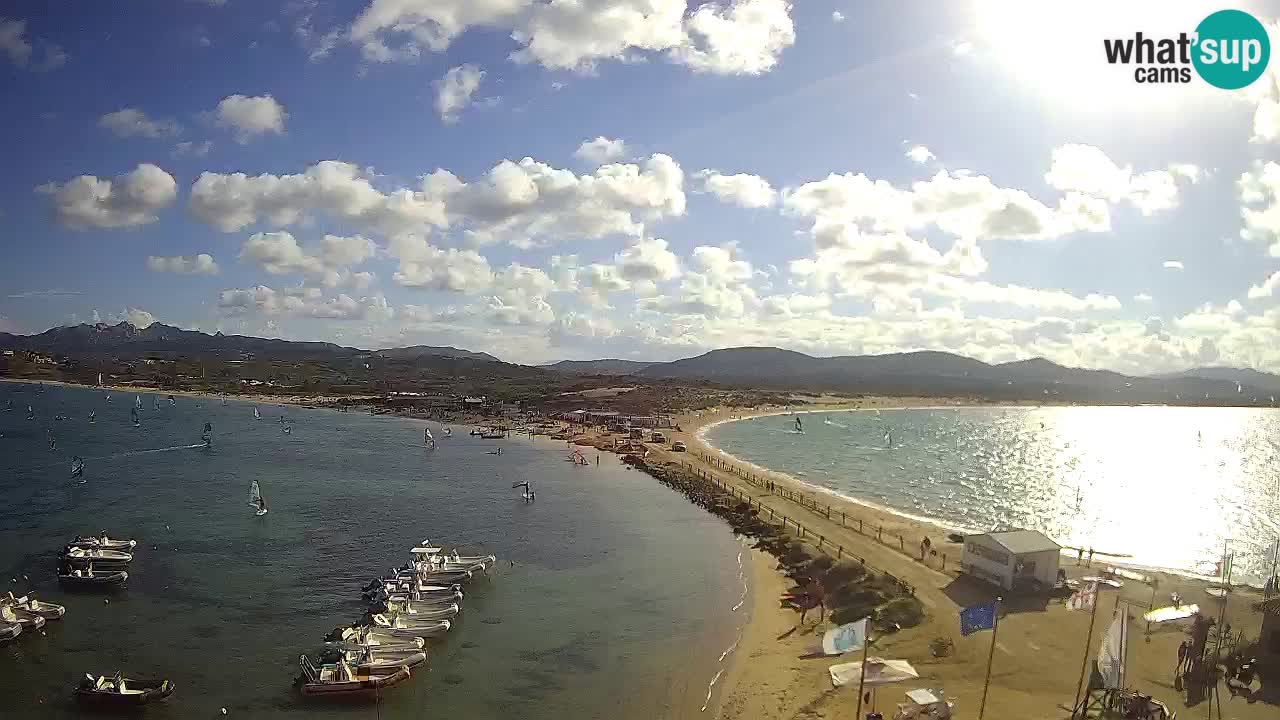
(1021, 542)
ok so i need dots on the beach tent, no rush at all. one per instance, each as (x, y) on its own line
(879, 672)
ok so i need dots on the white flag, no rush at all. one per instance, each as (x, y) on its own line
(846, 638)
(1111, 654)
(1084, 598)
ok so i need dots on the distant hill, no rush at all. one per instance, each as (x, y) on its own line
(942, 374)
(157, 337)
(1244, 376)
(421, 351)
(599, 367)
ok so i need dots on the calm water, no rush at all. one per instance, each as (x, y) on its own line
(1166, 485)
(618, 604)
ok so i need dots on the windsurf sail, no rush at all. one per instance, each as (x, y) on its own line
(8, 405)
(133, 414)
(92, 416)
(31, 414)
(287, 430)
(799, 425)
(224, 399)
(428, 438)
(255, 494)
(77, 466)
(99, 379)
(256, 415)
(155, 403)
(172, 401)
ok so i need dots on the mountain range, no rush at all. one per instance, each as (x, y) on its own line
(924, 373)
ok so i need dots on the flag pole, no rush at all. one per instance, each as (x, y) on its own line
(1088, 641)
(862, 679)
(995, 626)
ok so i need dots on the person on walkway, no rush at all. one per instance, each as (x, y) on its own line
(1182, 657)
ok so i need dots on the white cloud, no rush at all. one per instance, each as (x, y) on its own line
(279, 253)
(1172, 265)
(201, 264)
(1142, 298)
(15, 45)
(919, 154)
(520, 202)
(648, 259)
(1088, 170)
(743, 190)
(1260, 205)
(126, 201)
(726, 36)
(251, 117)
(1267, 288)
(304, 302)
(961, 47)
(130, 122)
(837, 16)
(425, 266)
(139, 318)
(600, 151)
(454, 91)
(194, 149)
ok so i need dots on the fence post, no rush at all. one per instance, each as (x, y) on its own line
(944, 561)
(828, 512)
(902, 544)
(859, 526)
(843, 519)
(880, 533)
(839, 551)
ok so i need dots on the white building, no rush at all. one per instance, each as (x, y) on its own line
(1003, 557)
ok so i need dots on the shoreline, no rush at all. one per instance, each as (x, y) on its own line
(266, 398)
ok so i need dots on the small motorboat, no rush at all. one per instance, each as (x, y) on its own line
(341, 680)
(401, 626)
(87, 578)
(28, 621)
(370, 636)
(376, 662)
(415, 611)
(29, 603)
(9, 631)
(102, 542)
(99, 556)
(117, 690)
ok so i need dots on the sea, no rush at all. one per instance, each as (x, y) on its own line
(1171, 488)
(613, 596)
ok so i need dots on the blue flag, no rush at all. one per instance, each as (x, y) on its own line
(978, 617)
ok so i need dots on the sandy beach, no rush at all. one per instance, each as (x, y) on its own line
(1039, 649)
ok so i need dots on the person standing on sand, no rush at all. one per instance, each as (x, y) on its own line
(1079, 555)
(1089, 562)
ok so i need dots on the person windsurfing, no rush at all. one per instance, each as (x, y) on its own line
(527, 494)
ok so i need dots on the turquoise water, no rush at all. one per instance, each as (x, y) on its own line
(1168, 486)
(618, 604)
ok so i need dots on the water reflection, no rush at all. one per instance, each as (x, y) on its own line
(1164, 485)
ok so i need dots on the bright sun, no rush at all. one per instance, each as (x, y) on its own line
(1056, 49)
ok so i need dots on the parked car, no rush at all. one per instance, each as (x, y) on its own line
(678, 446)
(637, 434)
(658, 438)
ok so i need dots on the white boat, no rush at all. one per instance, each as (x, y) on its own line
(102, 541)
(371, 636)
(29, 603)
(255, 499)
(395, 624)
(373, 662)
(9, 631)
(28, 620)
(97, 555)
(419, 612)
(341, 680)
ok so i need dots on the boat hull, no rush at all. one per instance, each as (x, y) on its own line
(361, 687)
(97, 581)
(101, 698)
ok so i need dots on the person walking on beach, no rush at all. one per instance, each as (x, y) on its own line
(1182, 657)
(1079, 555)
(1089, 562)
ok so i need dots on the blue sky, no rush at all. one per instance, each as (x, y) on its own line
(828, 176)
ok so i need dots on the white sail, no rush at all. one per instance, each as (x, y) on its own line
(256, 415)
(255, 494)
(137, 401)
(99, 379)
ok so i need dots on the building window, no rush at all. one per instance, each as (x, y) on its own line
(983, 551)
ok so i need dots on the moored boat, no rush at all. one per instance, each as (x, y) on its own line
(375, 662)
(88, 578)
(102, 542)
(9, 631)
(117, 690)
(29, 603)
(415, 611)
(99, 556)
(28, 620)
(401, 626)
(341, 680)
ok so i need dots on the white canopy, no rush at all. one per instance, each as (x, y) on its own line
(879, 672)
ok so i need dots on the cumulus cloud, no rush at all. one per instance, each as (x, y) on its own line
(251, 117)
(1088, 170)
(138, 317)
(194, 149)
(600, 151)
(279, 253)
(128, 200)
(837, 16)
(1259, 190)
(18, 48)
(648, 259)
(131, 122)
(722, 36)
(520, 202)
(743, 190)
(455, 89)
(303, 302)
(1142, 298)
(201, 264)
(425, 266)
(1172, 265)
(919, 154)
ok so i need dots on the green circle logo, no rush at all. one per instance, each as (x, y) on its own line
(1232, 49)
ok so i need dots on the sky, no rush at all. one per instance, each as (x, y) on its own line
(641, 179)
